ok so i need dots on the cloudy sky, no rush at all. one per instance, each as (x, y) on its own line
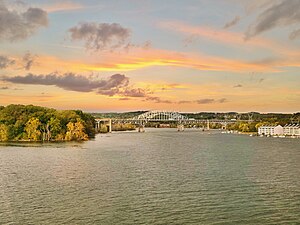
(194, 55)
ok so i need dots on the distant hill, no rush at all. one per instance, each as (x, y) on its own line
(280, 118)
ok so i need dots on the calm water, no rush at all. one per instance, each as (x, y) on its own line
(157, 177)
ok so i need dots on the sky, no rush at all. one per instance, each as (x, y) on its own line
(186, 56)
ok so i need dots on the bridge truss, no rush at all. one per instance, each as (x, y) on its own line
(170, 116)
(160, 116)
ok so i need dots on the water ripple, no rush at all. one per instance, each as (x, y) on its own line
(158, 177)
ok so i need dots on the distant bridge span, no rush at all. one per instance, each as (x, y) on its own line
(163, 116)
(171, 116)
(160, 116)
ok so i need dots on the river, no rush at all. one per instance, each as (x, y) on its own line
(158, 177)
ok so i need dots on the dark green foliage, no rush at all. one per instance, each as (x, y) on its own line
(125, 115)
(52, 123)
(271, 117)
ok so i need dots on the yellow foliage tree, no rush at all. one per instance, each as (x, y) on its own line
(32, 129)
(75, 132)
(244, 127)
(3, 132)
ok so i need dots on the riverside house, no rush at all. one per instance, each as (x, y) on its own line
(287, 130)
(291, 130)
(270, 130)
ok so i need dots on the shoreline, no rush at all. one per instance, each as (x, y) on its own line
(255, 134)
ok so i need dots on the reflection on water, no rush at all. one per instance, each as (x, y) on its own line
(158, 177)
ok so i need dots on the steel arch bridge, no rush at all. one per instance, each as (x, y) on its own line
(160, 116)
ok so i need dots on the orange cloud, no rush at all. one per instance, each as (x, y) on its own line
(141, 59)
(160, 86)
(62, 6)
(155, 57)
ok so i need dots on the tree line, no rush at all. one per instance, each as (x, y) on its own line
(35, 123)
(281, 118)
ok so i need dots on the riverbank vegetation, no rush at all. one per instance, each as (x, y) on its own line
(117, 127)
(252, 127)
(245, 127)
(115, 115)
(35, 123)
(123, 127)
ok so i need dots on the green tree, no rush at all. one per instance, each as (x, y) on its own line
(55, 127)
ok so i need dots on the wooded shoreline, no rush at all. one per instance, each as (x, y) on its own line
(19, 123)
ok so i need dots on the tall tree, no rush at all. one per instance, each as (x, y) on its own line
(32, 129)
(4, 132)
(76, 132)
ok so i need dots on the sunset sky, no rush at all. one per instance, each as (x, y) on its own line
(188, 56)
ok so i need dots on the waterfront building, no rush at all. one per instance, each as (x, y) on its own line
(291, 130)
(270, 130)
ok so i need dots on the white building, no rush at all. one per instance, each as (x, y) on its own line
(270, 130)
(291, 129)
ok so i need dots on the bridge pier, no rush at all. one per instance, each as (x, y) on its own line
(97, 126)
(180, 127)
(109, 126)
(141, 127)
(106, 122)
(207, 125)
